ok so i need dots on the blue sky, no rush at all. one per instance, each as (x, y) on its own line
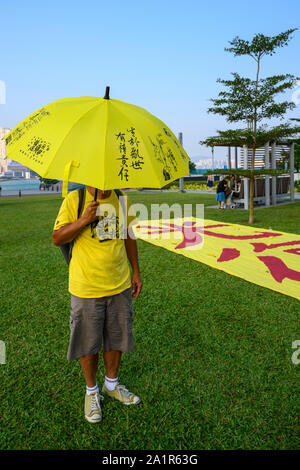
(162, 55)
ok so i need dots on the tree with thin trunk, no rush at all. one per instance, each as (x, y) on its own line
(192, 165)
(253, 101)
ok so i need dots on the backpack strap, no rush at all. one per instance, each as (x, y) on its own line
(81, 193)
(67, 248)
(119, 194)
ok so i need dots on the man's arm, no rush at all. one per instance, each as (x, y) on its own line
(68, 232)
(132, 254)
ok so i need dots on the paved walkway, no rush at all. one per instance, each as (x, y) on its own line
(27, 192)
(37, 192)
(263, 206)
(200, 191)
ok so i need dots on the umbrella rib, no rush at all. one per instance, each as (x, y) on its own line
(70, 129)
(105, 138)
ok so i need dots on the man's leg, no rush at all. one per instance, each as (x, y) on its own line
(89, 365)
(118, 338)
(92, 408)
(86, 325)
(112, 361)
(111, 387)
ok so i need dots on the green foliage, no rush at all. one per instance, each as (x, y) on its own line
(240, 137)
(192, 165)
(245, 95)
(172, 185)
(260, 45)
(252, 101)
(247, 173)
(48, 182)
(195, 185)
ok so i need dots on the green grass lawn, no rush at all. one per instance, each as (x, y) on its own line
(212, 362)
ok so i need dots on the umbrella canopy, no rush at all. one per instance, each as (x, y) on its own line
(100, 142)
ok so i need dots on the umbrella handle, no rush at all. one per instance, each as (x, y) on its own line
(96, 193)
(67, 169)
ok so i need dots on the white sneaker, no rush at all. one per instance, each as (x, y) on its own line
(92, 408)
(121, 393)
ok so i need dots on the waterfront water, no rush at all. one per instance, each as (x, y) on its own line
(19, 184)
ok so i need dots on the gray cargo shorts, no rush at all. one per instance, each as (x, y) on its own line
(107, 319)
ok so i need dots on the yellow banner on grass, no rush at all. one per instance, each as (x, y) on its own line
(268, 258)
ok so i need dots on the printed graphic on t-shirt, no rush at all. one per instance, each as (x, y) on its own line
(108, 227)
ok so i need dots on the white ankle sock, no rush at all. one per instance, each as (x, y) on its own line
(90, 390)
(111, 383)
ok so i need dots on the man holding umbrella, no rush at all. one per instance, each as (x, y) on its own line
(100, 287)
(102, 143)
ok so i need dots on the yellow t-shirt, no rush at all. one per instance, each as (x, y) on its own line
(99, 265)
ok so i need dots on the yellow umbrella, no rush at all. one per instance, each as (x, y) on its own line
(100, 142)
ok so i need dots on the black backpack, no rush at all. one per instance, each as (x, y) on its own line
(67, 248)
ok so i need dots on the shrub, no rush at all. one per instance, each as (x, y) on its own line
(195, 185)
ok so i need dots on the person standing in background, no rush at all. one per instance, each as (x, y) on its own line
(209, 182)
(220, 195)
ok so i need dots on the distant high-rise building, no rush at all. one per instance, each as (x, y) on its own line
(3, 161)
(260, 155)
(218, 164)
(9, 168)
